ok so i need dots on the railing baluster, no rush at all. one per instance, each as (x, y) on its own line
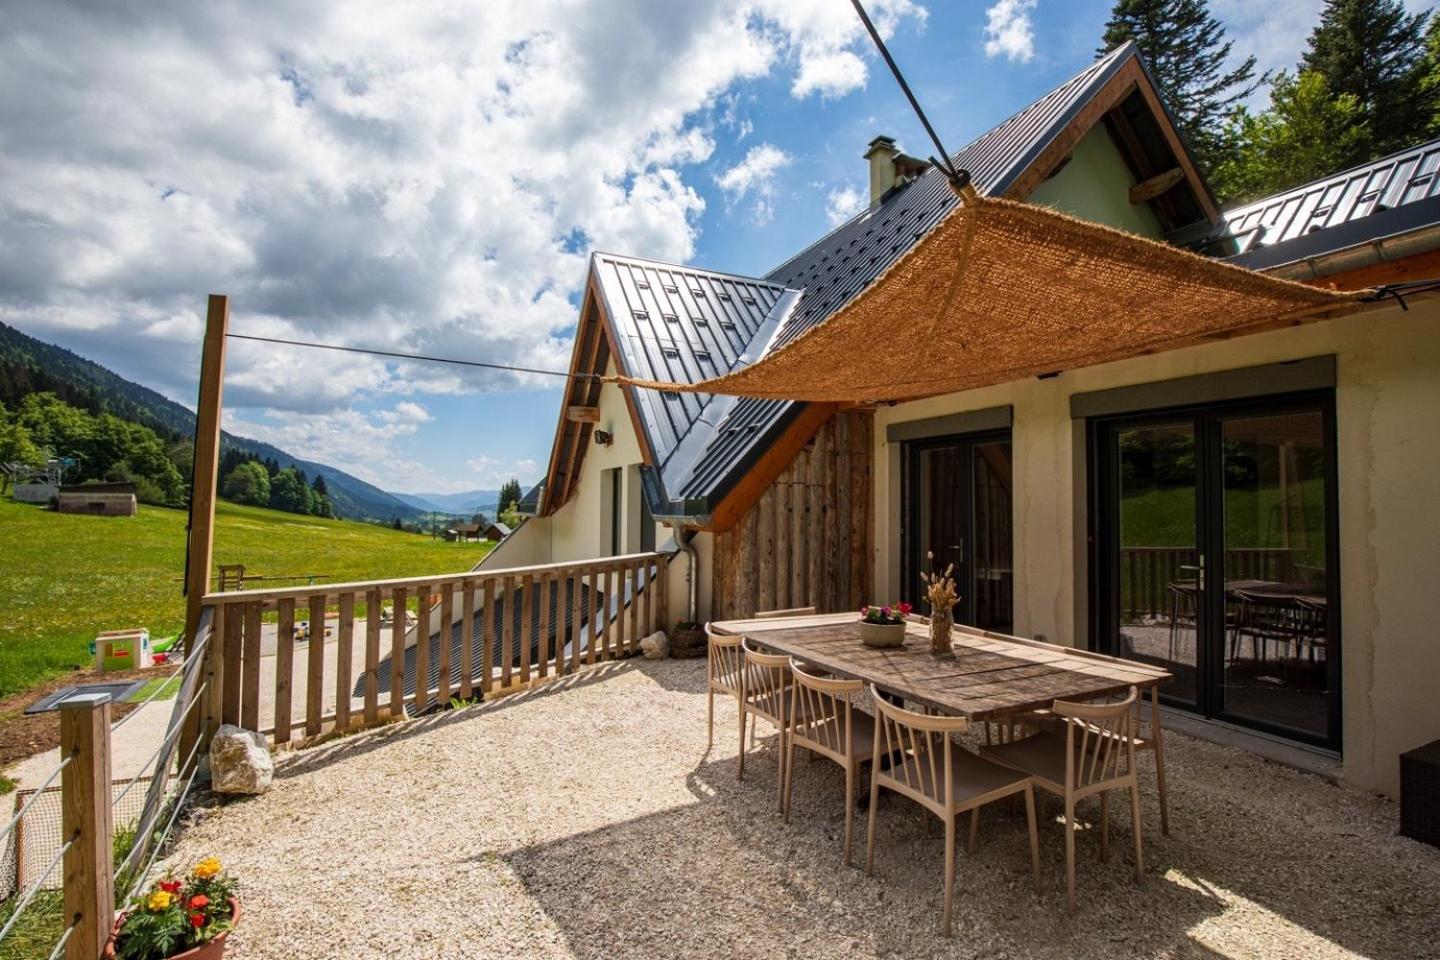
(633, 636)
(467, 639)
(230, 707)
(507, 631)
(576, 581)
(214, 705)
(284, 668)
(487, 639)
(527, 625)
(398, 629)
(424, 612)
(447, 629)
(649, 598)
(546, 585)
(315, 675)
(373, 601)
(344, 654)
(250, 655)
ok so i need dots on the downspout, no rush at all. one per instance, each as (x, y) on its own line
(684, 536)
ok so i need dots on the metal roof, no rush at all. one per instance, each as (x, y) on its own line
(1353, 206)
(833, 270)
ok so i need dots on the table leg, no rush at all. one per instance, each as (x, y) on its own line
(1157, 734)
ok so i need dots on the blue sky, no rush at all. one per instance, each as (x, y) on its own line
(431, 178)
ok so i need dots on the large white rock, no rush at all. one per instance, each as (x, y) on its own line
(239, 761)
(656, 646)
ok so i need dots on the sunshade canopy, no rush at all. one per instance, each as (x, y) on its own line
(1001, 290)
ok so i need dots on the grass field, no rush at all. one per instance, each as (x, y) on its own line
(64, 577)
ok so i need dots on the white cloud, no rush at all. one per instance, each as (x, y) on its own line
(411, 177)
(755, 177)
(843, 203)
(490, 472)
(1009, 31)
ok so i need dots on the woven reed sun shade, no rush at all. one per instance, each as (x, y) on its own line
(1001, 290)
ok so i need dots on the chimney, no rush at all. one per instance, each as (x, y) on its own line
(881, 153)
(889, 168)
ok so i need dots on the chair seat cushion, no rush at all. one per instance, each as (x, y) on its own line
(973, 776)
(862, 733)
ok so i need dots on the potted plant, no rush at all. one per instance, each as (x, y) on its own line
(178, 918)
(883, 626)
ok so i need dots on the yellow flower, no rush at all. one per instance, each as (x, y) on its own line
(159, 901)
(207, 868)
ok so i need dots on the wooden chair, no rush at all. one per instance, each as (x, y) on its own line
(827, 723)
(765, 695)
(930, 768)
(724, 671)
(1095, 754)
(788, 612)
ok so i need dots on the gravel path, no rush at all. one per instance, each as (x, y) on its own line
(587, 820)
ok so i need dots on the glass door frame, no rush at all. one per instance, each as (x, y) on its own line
(911, 561)
(1103, 536)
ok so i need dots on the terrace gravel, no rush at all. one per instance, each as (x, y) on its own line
(586, 819)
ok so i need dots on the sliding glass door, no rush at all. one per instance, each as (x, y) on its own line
(1214, 551)
(958, 507)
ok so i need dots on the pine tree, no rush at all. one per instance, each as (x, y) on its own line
(510, 492)
(1185, 48)
(1375, 52)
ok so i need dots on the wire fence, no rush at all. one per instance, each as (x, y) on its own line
(144, 810)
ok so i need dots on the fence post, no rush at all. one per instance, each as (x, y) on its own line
(86, 818)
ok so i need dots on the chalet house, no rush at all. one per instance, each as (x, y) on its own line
(1255, 512)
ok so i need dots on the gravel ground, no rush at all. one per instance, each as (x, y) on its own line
(587, 820)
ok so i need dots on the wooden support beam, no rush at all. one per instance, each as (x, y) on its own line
(1147, 190)
(579, 414)
(206, 463)
(85, 816)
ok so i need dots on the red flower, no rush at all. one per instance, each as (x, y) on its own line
(197, 920)
(169, 886)
(904, 608)
(199, 902)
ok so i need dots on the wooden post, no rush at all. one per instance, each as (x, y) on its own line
(85, 816)
(206, 464)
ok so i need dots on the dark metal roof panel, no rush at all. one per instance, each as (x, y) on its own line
(679, 324)
(1267, 230)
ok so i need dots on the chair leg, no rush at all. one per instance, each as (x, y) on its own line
(849, 808)
(974, 830)
(784, 768)
(1104, 826)
(1157, 737)
(1135, 826)
(870, 824)
(788, 758)
(1069, 855)
(740, 769)
(1034, 835)
(949, 872)
(710, 717)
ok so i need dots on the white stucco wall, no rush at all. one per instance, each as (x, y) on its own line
(1387, 404)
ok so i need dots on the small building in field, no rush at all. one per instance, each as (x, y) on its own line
(497, 531)
(465, 531)
(100, 499)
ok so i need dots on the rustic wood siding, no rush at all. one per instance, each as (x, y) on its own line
(807, 540)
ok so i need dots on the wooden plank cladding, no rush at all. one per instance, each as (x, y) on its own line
(807, 540)
(397, 647)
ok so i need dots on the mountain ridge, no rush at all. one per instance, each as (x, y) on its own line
(352, 497)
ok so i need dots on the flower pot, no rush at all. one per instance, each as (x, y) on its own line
(210, 950)
(882, 634)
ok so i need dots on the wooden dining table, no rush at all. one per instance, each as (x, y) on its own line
(987, 676)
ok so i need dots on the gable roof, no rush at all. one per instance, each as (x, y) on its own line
(702, 444)
(1379, 199)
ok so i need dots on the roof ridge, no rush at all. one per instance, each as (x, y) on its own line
(671, 265)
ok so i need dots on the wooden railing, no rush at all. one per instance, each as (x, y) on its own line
(476, 633)
(1147, 572)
